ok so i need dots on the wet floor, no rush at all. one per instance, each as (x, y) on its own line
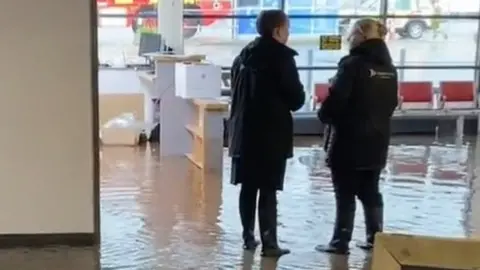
(162, 215)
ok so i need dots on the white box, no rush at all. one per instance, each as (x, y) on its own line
(198, 80)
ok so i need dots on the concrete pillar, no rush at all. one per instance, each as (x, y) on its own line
(170, 24)
(48, 138)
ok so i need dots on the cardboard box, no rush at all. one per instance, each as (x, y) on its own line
(112, 105)
(411, 252)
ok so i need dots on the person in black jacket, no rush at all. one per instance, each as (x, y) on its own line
(358, 109)
(266, 89)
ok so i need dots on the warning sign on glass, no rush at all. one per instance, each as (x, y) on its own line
(331, 42)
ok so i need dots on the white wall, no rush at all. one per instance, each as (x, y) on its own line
(111, 81)
(46, 179)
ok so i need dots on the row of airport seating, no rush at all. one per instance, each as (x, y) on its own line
(421, 95)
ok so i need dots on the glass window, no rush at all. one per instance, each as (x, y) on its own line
(359, 7)
(403, 4)
(425, 7)
(223, 40)
(311, 77)
(413, 42)
(436, 75)
(247, 3)
(425, 42)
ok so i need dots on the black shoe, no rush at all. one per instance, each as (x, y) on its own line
(367, 246)
(275, 252)
(270, 246)
(250, 244)
(333, 249)
(342, 232)
(373, 224)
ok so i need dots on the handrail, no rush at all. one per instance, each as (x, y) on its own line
(428, 67)
(302, 16)
(313, 68)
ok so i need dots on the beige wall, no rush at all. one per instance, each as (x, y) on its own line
(46, 157)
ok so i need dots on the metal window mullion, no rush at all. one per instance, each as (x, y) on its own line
(283, 5)
(383, 10)
(476, 78)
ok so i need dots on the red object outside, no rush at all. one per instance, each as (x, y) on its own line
(205, 7)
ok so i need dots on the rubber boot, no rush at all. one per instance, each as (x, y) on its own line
(247, 207)
(373, 224)
(342, 232)
(249, 242)
(267, 212)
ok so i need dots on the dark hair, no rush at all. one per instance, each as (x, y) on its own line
(270, 19)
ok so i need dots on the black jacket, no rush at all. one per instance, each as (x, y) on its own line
(260, 122)
(359, 107)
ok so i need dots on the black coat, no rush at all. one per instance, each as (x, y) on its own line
(266, 89)
(361, 101)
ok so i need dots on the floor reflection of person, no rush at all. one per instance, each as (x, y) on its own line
(359, 107)
(265, 90)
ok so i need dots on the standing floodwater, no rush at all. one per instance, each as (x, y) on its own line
(184, 223)
(159, 215)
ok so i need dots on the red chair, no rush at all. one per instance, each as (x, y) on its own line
(457, 95)
(320, 94)
(415, 95)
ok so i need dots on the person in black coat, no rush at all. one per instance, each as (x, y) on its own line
(358, 110)
(266, 89)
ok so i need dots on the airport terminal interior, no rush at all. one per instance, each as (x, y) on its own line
(154, 192)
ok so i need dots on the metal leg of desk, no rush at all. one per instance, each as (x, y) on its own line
(478, 124)
(460, 127)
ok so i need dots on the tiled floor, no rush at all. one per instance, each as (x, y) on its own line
(159, 214)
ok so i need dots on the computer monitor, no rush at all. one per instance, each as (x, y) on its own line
(150, 43)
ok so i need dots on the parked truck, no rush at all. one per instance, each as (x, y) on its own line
(141, 15)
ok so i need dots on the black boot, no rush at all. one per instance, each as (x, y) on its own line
(249, 242)
(247, 207)
(373, 224)
(267, 212)
(342, 232)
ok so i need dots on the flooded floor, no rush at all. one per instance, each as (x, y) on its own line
(162, 215)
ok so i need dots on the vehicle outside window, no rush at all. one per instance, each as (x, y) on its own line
(142, 14)
(413, 28)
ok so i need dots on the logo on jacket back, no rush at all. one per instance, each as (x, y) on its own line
(381, 74)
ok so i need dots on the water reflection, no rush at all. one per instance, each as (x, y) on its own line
(162, 214)
(418, 182)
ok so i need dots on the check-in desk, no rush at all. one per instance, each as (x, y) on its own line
(185, 90)
(206, 129)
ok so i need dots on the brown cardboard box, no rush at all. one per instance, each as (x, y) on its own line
(113, 105)
(411, 252)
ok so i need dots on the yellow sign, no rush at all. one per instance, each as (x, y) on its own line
(124, 2)
(331, 42)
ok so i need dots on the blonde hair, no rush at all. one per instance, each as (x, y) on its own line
(371, 28)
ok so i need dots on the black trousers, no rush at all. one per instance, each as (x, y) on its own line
(362, 184)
